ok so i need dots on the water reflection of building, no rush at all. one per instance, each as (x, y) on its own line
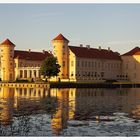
(134, 94)
(60, 118)
(84, 103)
(25, 99)
(6, 105)
(73, 104)
(106, 101)
(19, 99)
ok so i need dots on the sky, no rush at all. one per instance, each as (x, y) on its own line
(33, 26)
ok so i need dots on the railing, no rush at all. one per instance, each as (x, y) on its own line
(25, 85)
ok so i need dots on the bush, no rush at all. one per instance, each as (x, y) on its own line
(21, 81)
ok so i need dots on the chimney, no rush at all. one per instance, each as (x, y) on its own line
(108, 48)
(43, 51)
(50, 51)
(99, 47)
(81, 45)
(117, 53)
(29, 50)
(88, 46)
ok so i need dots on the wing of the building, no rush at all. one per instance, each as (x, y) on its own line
(131, 64)
(28, 63)
(91, 64)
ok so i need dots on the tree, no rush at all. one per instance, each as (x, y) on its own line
(50, 67)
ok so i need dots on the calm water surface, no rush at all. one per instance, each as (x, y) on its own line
(69, 112)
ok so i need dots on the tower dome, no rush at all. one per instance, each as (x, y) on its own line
(7, 42)
(61, 37)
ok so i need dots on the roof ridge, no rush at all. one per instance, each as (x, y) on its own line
(39, 56)
(84, 52)
(30, 51)
(89, 48)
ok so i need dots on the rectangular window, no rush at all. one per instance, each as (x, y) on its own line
(63, 63)
(111, 66)
(95, 64)
(114, 65)
(102, 65)
(92, 64)
(78, 63)
(134, 65)
(135, 75)
(20, 64)
(71, 73)
(82, 64)
(126, 66)
(89, 64)
(108, 66)
(99, 64)
(85, 63)
(72, 63)
(21, 73)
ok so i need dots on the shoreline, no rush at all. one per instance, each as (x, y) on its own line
(70, 85)
(94, 85)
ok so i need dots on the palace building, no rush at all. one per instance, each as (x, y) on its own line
(78, 63)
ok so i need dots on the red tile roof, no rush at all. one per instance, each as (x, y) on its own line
(60, 37)
(135, 51)
(7, 42)
(85, 52)
(37, 56)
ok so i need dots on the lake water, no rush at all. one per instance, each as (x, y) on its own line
(69, 112)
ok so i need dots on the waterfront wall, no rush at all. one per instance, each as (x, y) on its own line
(25, 85)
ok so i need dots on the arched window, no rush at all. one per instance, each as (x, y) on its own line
(30, 73)
(21, 73)
(25, 73)
(34, 73)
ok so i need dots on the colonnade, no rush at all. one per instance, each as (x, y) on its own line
(25, 73)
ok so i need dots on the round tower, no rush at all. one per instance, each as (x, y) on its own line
(61, 51)
(7, 60)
